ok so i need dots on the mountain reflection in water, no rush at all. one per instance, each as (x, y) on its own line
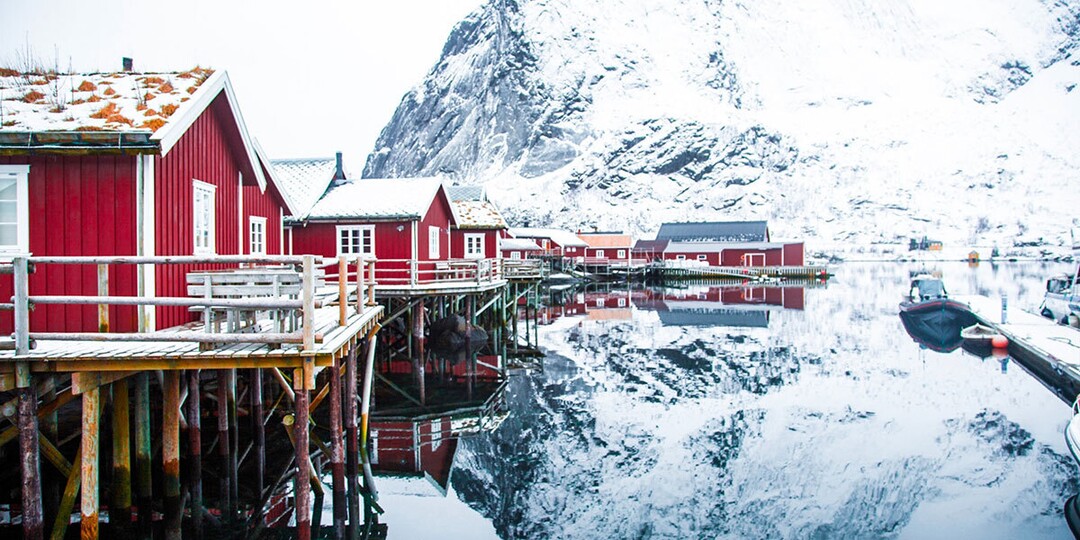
(827, 422)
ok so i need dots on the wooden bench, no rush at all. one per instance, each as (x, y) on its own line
(283, 283)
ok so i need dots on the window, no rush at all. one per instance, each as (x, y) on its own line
(753, 259)
(515, 255)
(622, 302)
(14, 209)
(356, 240)
(622, 253)
(433, 242)
(702, 257)
(257, 235)
(680, 257)
(474, 246)
(599, 254)
(204, 196)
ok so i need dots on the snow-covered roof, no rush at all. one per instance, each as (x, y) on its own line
(123, 101)
(715, 231)
(378, 199)
(607, 240)
(122, 111)
(717, 247)
(559, 236)
(518, 244)
(656, 246)
(303, 181)
(477, 215)
(466, 193)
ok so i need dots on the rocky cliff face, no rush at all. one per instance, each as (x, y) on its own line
(842, 122)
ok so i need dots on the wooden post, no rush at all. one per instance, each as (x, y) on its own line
(103, 290)
(194, 421)
(343, 290)
(91, 404)
(29, 456)
(234, 445)
(120, 510)
(418, 349)
(143, 472)
(359, 286)
(352, 447)
(308, 292)
(224, 446)
(337, 449)
(371, 283)
(303, 474)
(170, 454)
(258, 429)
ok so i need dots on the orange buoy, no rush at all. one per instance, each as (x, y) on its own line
(999, 341)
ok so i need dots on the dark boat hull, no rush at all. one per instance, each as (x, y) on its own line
(936, 324)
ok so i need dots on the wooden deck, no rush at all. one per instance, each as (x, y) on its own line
(77, 356)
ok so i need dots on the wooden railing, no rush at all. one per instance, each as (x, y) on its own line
(402, 272)
(215, 295)
(523, 268)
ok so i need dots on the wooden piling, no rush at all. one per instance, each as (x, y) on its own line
(224, 446)
(303, 474)
(30, 460)
(144, 482)
(120, 509)
(337, 449)
(67, 501)
(91, 405)
(352, 447)
(194, 421)
(170, 454)
(258, 430)
(234, 445)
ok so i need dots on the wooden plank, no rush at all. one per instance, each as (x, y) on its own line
(85, 381)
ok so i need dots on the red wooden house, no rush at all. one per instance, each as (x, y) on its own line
(403, 223)
(519, 248)
(732, 243)
(553, 242)
(421, 449)
(478, 225)
(607, 248)
(127, 164)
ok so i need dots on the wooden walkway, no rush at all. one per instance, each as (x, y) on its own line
(741, 272)
(1051, 350)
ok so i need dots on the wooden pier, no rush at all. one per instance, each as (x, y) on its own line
(739, 272)
(301, 337)
(1049, 350)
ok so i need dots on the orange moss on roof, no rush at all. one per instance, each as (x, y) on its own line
(109, 91)
(89, 128)
(148, 96)
(119, 119)
(105, 112)
(87, 86)
(154, 124)
(93, 99)
(8, 72)
(32, 96)
(168, 109)
(150, 112)
(152, 80)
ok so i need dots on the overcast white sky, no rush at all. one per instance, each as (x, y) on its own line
(312, 78)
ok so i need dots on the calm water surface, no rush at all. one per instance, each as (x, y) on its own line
(674, 415)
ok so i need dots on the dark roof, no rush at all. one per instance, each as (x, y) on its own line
(656, 246)
(715, 231)
(466, 193)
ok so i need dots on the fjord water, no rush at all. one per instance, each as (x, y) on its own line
(828, 421)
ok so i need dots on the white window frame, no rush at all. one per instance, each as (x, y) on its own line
(621, 254)
(363, 229)
(256, 238)
(599, 254)
(433, 243)
(210, 245)
(680, 257)
(702, 257)
(515, 255)
(21, 175)
(750, 258)
(474, 246)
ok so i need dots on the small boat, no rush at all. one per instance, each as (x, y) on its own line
(1072, 433)
(929, 301)
(1061, 302)
(979, 333)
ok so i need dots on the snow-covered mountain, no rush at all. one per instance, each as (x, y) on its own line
(839, 121)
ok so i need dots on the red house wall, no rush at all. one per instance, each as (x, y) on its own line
(794, 254)
(79, 205)
(457, 242)
(263, 204)
(711, 258)
(209, 153)
(438, 215)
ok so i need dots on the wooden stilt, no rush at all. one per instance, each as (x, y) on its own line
(170, 454)
(352, 446)
(29, 456)
(303, 474)
(120, 509)
(418, 349)
(143, 473)
(234, 446)
(258, 430)
(49, 426)
(194, 420)
(337, 450)
(224, 446)
(91, 402)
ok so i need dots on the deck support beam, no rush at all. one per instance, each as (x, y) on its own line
(352, 447)
(195, 452)
(143, 474)
(91, 405)
(224, 445)
(303, 473)
(337, 449)
(170, 454)
(120, 510)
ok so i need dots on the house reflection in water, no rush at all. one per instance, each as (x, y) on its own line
(721, 305)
